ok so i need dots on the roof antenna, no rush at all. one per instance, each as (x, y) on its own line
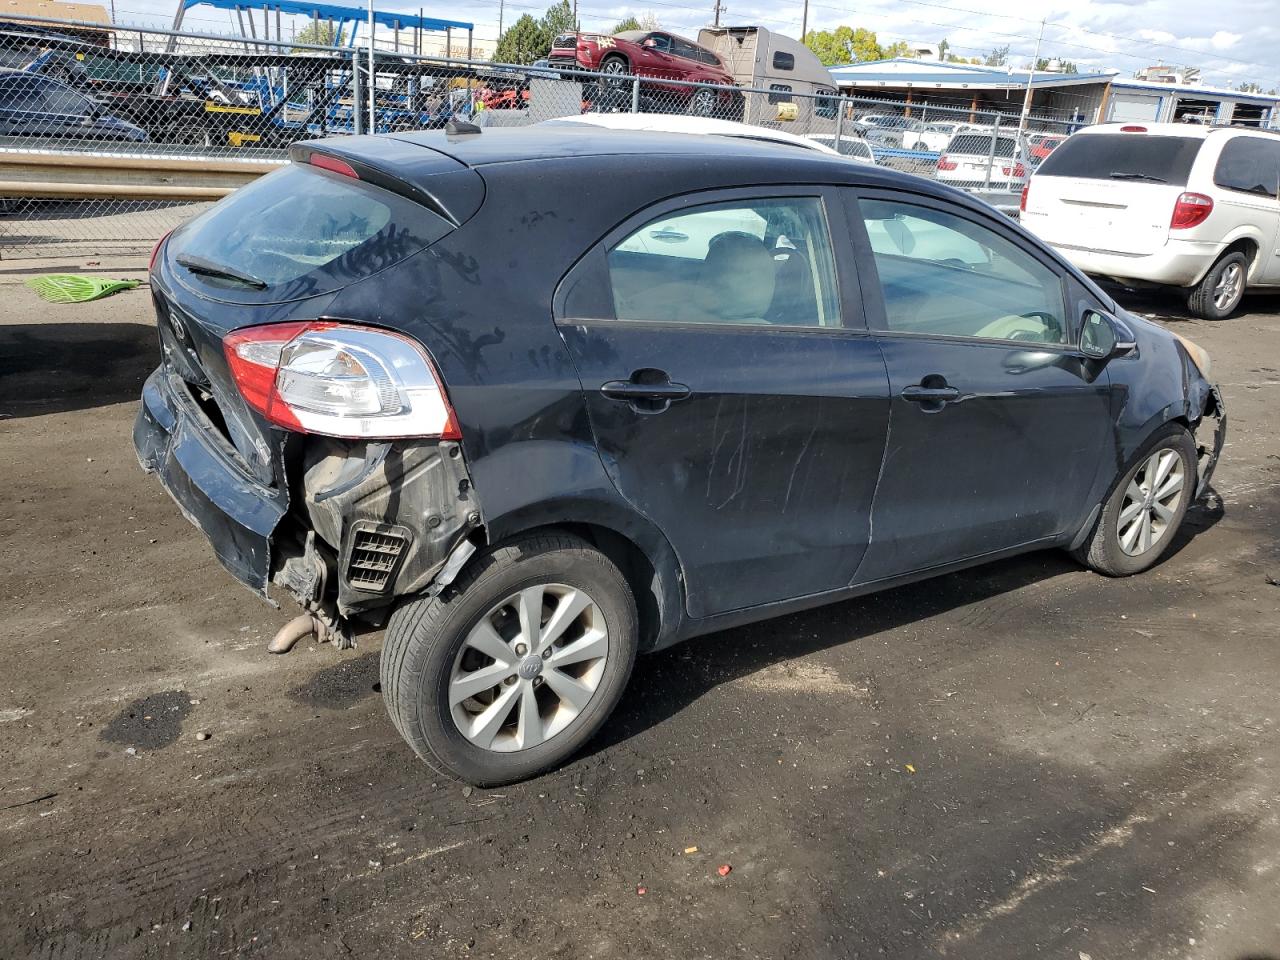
(460, 128)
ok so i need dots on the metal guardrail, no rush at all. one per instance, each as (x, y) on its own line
(107, 145)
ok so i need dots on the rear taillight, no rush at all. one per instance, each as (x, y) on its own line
(155, 252)
(1191, 210)
(946, 163)
(1026, 190)
(340, 380)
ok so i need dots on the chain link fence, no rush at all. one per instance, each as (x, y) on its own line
(132, 98)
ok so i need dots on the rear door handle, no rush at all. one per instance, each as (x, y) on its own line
(930, 394)
(626, 390)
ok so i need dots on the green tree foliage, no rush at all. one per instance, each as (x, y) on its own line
(845, 45)
(1064, 66)
(523, 42)
(557, 20)
(319, 32)
(622, 26)
(998, 57)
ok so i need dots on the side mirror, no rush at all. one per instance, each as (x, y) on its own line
(650, 43)
(1103, 337)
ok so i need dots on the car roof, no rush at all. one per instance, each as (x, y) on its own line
(680, 123)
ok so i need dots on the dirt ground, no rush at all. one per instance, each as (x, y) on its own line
(1024, 760)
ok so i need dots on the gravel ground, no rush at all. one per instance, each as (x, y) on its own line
(1022, 760)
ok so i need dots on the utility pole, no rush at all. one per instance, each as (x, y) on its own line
(502, 6)
(1031, 75)
(719, 7)
(804, 22)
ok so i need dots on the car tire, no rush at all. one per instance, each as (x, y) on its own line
(704, 102)
(432, 655)
(1218, 295)
(616, 70)
(1129, 515)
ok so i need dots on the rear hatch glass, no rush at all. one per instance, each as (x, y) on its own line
(299, 232)
(980, 145)
(1124, 156)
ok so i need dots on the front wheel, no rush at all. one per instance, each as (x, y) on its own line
(1144, 511)
(704, 102)
(1218, 295)
(516, 665)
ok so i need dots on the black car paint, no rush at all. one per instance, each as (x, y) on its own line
(89, 121)
(541, 447)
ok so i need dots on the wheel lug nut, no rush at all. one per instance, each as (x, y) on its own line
(546, 654)
(509, 681)
(521, 649)
(537, 681)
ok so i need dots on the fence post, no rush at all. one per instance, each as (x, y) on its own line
(991, 159)
(635, 95)
(357, 107)
(840, 105)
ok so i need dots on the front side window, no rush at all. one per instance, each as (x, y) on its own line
(659, 41)
(1250, 165)
(740, 262)
(779, 93)
(945, 275)
(60, 100)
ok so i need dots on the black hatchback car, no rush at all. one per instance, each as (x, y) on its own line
(542, 399)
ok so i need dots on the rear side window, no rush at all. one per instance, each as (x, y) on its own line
(742, 262)
(1250, 165)
(1123, 156)
(779, 93)
(784, 61)
(303, 231)
(973, 143)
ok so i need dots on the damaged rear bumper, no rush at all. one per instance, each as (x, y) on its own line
(1210, 449)
(236, 514)
(352, 525)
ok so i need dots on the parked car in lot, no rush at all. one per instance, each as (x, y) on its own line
(41, 107)
(934, 137)
(655, 54)
(1042, 144)
(855, 148)
(1177, 205)
(977, 160)
(701, 382)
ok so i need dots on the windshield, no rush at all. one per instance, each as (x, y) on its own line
(1123, 156)
(299, 232)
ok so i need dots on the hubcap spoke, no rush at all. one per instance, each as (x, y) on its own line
(1129, 536)
(568, 610)
(1160, 510)
(467, 685)
(529, 607)
(1172, 485)
(593, 645)
(1131, 510)
(529, 728)
(1165, 463)
(485, 639)
(573, 694)
(485, 726)
(1145, 540)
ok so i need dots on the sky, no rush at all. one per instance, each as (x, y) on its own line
(1230, 40)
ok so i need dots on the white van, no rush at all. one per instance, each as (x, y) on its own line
(1177, 205)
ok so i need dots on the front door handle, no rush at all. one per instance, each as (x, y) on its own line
(648, 391)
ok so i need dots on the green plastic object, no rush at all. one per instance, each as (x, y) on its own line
(76, 288)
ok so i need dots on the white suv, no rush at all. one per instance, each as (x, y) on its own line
(1175, 205)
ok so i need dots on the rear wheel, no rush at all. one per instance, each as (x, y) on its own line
(704, 102)
(1218, 295)
(514, 667)
(615, 70)
(1144, 511)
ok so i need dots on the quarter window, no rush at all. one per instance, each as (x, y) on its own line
(947, 276)
(742, 262)
(784, 61)
(1250, 165)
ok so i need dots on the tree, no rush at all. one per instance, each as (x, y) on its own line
(523, 42)
(318, 32)
(998, 57)
(899, 49)
(844, 45)
(943, 47)
(1250, 87)
(622, 26)
(557, 20)
(647, 22)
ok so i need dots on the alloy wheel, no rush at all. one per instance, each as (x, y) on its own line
(1151, 502)
(704, 103)
(1227, 291)
(528, 668)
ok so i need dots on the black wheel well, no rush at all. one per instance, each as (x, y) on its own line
(1246, 246)
(615, 56)
(635, 567)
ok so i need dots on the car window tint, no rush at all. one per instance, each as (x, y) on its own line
(945, 275)
(683, 48)
(1102, 156)
(784, 61)
(1250, 165)
(779, 93)
(58, 99)
(20, 93)
(661, 42)
(744, 262)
